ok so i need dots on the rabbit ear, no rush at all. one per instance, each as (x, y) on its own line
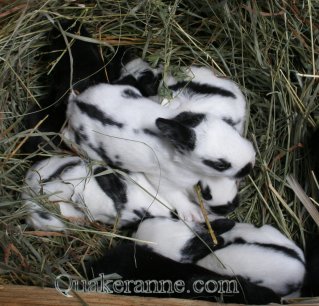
(149, 83)
(190, 119)
(179, 130)
(180, 136)
(205, 191)
(222, 225)
(227, 208)
(140, 75)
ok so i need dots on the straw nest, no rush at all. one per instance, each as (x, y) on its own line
(268, 47)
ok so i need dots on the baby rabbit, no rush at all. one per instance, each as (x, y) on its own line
(113, 117)
(106, 121)
(79, 190)
(138, 265)
(261, 255)
(200, 91)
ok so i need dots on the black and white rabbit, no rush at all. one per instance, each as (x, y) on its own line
(115, 123)
(79, 190)
(105, 119)
(201, 90)
(87, 70)
(261, 255)
(204, 92)
(142, 76)
(138, 265)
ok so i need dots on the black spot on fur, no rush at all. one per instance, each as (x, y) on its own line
(43, 214)
(206, 193)
(194, 88)
(129, 93)
(174, 215)
(180, 136)
(127, 80)
(244, 171)
(60, 170)
(142, 213)
(219, 165)
(278, 248)
(118, 164)
(289, 252)
(93, 112)
(150, 132)
(222, 225)
(195, 249)
(77, 138)
(227, 208)
(239, 240)
(148, 83)
(82, 133)
(113, 186)
(231, 122)
(79, 135)
(102, 153)
(190, 119)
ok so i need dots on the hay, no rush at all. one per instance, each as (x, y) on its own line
(268, 47)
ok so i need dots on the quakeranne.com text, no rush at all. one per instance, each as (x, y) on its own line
(106, 284)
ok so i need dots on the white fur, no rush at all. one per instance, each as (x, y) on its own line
(168, 236)
(214, 138)
(155, 156)
(265, 266)
(218, 105)
(223, 191)
(77, 195)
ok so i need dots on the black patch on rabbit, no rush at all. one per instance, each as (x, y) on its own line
(113, 186)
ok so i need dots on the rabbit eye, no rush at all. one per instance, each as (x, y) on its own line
(219, 165)
(206, 192)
